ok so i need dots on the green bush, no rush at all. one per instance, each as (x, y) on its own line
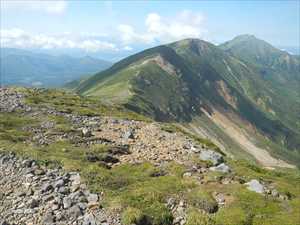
(196, 217)
(134, 216)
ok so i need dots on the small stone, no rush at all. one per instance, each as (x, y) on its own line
(59, 183)
(4, 222)
(67, 202)
(48, 218)
(256, 186)
(27, 163)
(92, 198)
(128, 135)
(89, 220)
(30, 211)
(187, 174)
(74, 211)
(55, 207)
(274, 193)
(32, 203)
(220, 198)
(39, 172)
(86, 132)
(75, 178)
(46, 187)
(82, 205)
(63, 190)
(223, 168)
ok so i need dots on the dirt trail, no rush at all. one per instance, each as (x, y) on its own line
(239, 136)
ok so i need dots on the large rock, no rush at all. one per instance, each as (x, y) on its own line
(48, 218)
(92, 198)
(212, 156)
(74, 212)
(67, 202)
(223, 168)
(86, 132)
(32, 203)
(89, 219)
(128, 135)
(46, 187)
(256, 186)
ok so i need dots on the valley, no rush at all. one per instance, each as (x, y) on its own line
(43, 70)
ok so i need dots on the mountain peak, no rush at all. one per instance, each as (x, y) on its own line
(246, 37)
(191, 41)
(247, 41)
(193, 45)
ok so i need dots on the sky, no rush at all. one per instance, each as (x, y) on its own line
(124, 27)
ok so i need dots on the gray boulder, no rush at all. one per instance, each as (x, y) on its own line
(48, 218)
(67, 202)
(74, 212)
(92, 198)
(128, 135)
(256, 186)
(223, 168)
(212, 156)
(89, 219)
(86, 132)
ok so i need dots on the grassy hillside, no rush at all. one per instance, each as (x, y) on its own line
(140, 191)
(185, 79)
(278, 70)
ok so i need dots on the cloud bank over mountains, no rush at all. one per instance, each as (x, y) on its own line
(18, 38)
(155, 29)
(186, 24)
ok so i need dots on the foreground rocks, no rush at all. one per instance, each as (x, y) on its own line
(256, 186)
(11, 100)
(145, 141)
(30, 194)
(266, 189)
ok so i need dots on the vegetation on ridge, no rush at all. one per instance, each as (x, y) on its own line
(177, 82)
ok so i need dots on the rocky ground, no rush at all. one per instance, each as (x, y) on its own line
(32, 194)
(133, 141)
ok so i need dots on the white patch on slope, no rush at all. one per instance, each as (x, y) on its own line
(239, 136)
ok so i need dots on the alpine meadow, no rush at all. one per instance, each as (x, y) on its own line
(150, 112)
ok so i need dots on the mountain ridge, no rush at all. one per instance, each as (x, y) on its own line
(181, 80)
(44, 69)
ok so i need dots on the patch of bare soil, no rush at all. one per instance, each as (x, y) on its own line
(241, 137)
(146, 141)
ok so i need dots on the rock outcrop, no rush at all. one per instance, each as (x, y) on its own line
(30, 194)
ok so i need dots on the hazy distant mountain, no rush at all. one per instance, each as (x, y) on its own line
(290, 49)
(21, 67)
(241, 89)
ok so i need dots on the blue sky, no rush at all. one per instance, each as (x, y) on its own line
(127, 26)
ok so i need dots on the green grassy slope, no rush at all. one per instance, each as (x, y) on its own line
(135, 189)
(205, 76)
(278, 70)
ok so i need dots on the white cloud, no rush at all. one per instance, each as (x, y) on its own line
(127, 48)
(129, 35)
(157, 30)
(54, 7)
(96, 45)
(17, 38)
(184, 25)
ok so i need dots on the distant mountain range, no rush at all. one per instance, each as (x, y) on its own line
(244, 94)
(21, 67)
